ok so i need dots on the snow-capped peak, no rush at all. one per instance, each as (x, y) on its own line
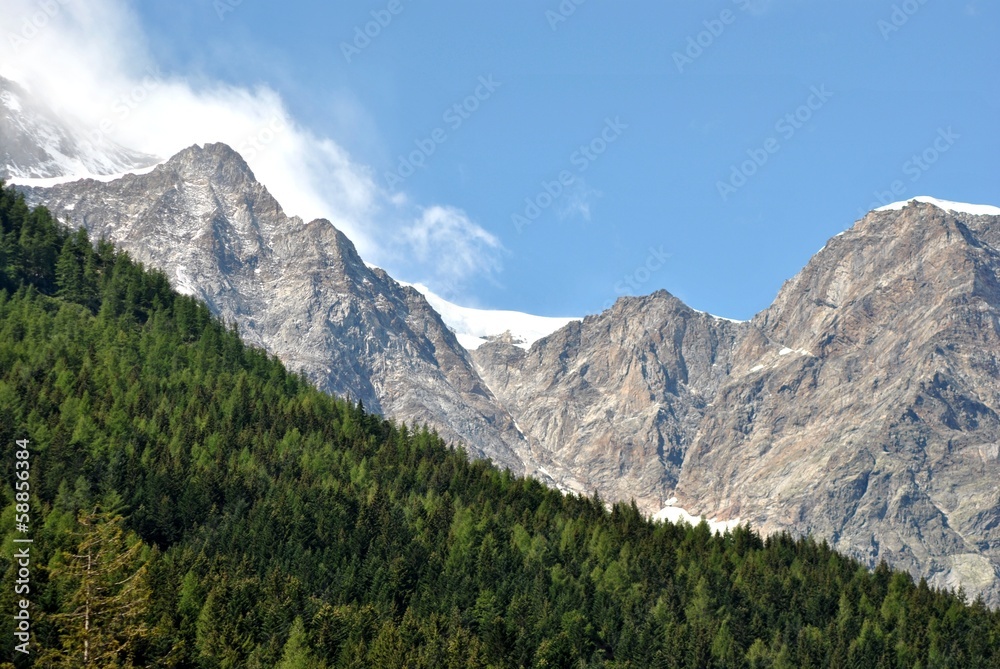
(957, 207)
(473, 326)
(38, 144)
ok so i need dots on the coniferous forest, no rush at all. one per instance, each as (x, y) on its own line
(194, 504)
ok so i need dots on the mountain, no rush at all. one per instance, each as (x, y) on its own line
(863, 403)
(194, 504)
(38, 143)
(298, 289)
(610, 404)
(861, 406)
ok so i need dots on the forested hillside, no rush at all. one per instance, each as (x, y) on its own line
(193, 504)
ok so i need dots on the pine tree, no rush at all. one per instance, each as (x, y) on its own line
(296, 653)
(69, 273)
(104, 621)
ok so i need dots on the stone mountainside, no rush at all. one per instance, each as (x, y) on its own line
(860, 407)
(611, 404)
(298, 289)
(36, 143)
(863, 406)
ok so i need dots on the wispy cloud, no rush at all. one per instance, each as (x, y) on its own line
(450, 247)
(89, 60)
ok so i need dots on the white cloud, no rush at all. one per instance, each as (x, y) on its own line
(451, 247)
(88, 59)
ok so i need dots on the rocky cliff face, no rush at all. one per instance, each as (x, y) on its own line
(298, 289)
(610, 404)
(862, 406)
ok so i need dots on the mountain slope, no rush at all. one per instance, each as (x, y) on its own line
(193, 504)
(298, 289)
(610, 404)
(36, 143)
(878, 426)
(860, 406)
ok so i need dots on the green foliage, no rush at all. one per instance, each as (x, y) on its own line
(236, 517)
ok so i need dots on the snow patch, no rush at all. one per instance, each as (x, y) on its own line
(787, 351)
(718, 318)
(472, 326)
(183, 284)
(958, 207)
(10, 101)
(676, 514)
(58, 181)
(468, 342)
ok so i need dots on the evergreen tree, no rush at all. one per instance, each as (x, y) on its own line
(108, 595)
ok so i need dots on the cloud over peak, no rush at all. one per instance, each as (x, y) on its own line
(90, 61)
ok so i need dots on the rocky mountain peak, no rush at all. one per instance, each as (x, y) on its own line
(218, 160)
(300, 290)
(863, 398)
(893, 270)
(37, 143)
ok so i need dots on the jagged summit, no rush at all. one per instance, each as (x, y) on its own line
(38, 144)
(216, 156)
(874, 427)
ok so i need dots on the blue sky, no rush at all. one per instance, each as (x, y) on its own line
(728, 140)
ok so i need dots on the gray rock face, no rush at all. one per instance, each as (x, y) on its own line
(878, 427)
(36, 143)
(611, 404)
(861, 407)
(298, 289)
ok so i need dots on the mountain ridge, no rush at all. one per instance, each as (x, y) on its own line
(298, 289)
(765, 421)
